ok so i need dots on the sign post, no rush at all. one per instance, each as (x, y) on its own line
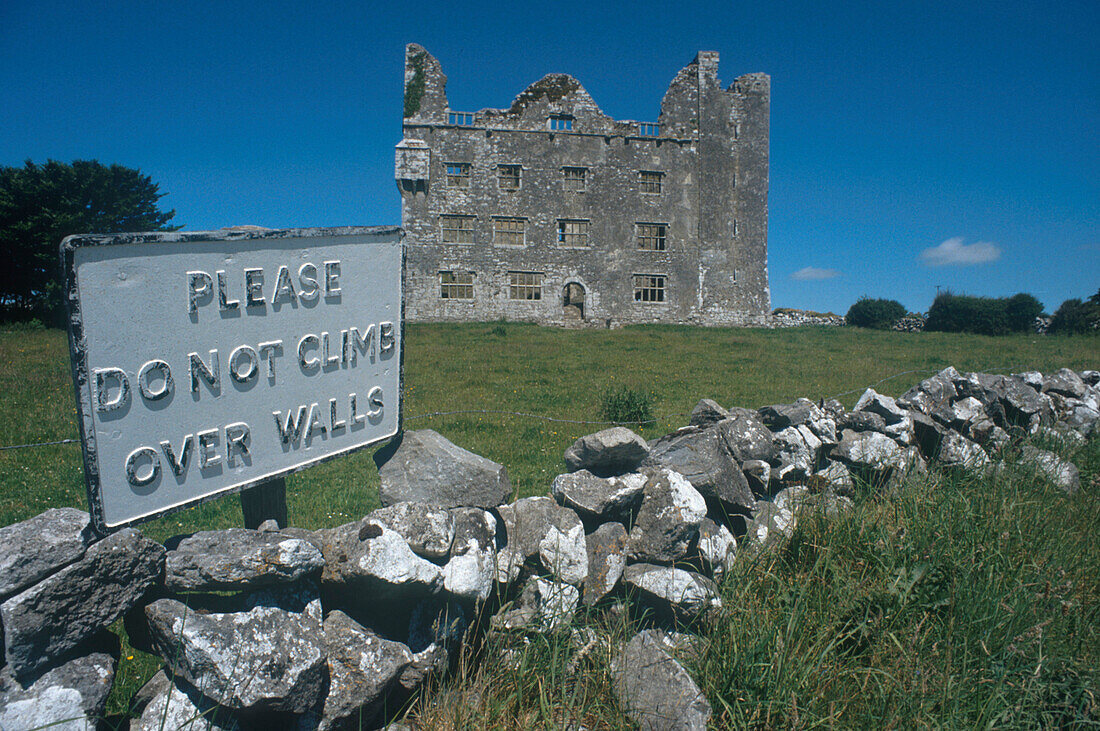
(213, 362)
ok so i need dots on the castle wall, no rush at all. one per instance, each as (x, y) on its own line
(678, 186)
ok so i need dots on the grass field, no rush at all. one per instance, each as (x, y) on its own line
(1008, 626)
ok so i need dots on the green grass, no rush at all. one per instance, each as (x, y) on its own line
(774, 659)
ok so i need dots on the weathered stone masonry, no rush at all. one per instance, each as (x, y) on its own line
(552, 212)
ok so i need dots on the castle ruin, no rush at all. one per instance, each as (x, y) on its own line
(552, 212)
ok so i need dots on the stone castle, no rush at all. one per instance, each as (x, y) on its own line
(552, 212)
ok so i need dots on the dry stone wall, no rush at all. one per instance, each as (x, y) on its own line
(288, 628)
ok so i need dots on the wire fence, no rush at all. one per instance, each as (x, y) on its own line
(558, 420)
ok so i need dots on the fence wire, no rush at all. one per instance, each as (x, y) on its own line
(558, 420)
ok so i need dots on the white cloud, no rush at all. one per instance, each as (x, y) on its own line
(954, 252)
(810, 273)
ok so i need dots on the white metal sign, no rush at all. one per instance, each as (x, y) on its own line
(209, 362)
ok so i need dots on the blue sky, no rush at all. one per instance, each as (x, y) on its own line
(914, 145)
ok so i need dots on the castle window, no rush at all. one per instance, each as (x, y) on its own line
(458, 175)
(649, 287)
(562, 122)
(509, 231)
(456, 229)
(456, 285)
(525, 285)
(649, 181)
(461, 119)
(652, 236)
(508, 176)
(573, 233)
(574, 179)
(648, 129)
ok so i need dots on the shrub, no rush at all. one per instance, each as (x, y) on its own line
(1022, 309)
(874, 313)
(958, 313)
(627, 405)
(1077, 317)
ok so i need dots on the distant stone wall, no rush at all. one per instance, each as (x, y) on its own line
(787, 317)
(288, 628)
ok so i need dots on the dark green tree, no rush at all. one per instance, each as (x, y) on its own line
(42, 204)
(1022, 309)
(875, 313)
(1077, 317)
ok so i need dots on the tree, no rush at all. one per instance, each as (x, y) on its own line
(42, 204)
(1022, 309)
(880, 314)
(1077, 317)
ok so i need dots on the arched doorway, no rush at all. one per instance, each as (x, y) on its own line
(573, 302)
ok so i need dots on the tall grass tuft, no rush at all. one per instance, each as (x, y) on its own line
(626, 405)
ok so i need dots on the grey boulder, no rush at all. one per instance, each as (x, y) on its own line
(717, 548)
(600, 498)
(781, 416)
(1060, 472)
(429, 530)
(746, 436)
(655, 690)
(69, 697)
(471, 570)
(674, 593)
(365, 562)
(877, 403)
(958, 451)
(363, 668)
(38, 546)
(176, 704)
(425, 467)
(265, 659)
(538, 526)
(707, 412)
(237, 559)
(1065, 383)
(668, 521)
(606, 561)
(61, 611)
(701, 455)
(613, 451)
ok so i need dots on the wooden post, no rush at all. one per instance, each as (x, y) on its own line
(266, 501)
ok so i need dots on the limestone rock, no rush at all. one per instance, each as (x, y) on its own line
(606, 561)
(176, 704)
(38, 546)
(69, 697)
(425, 467)
(717, 548)
(668, 522)
(958, 451)
(770, 526)
(758, 473)
(707, 412)
(61, 611)
(799, 447)
(600, 498)
(1062, 473)
(746, 436)
(927, 434)
(1066, 383)
(471, 570)
(863, 421)
(837, 478)
(655, 690)
(884, 406)
(932, 393)
(428, 530)
(365, 562)
(543, 605)
(363, 668)
(781, 416)
(868, 449)
(237, 559)
(537, 526)
(673, 592)
(265, 659)
(613, 451)
(702, 457)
